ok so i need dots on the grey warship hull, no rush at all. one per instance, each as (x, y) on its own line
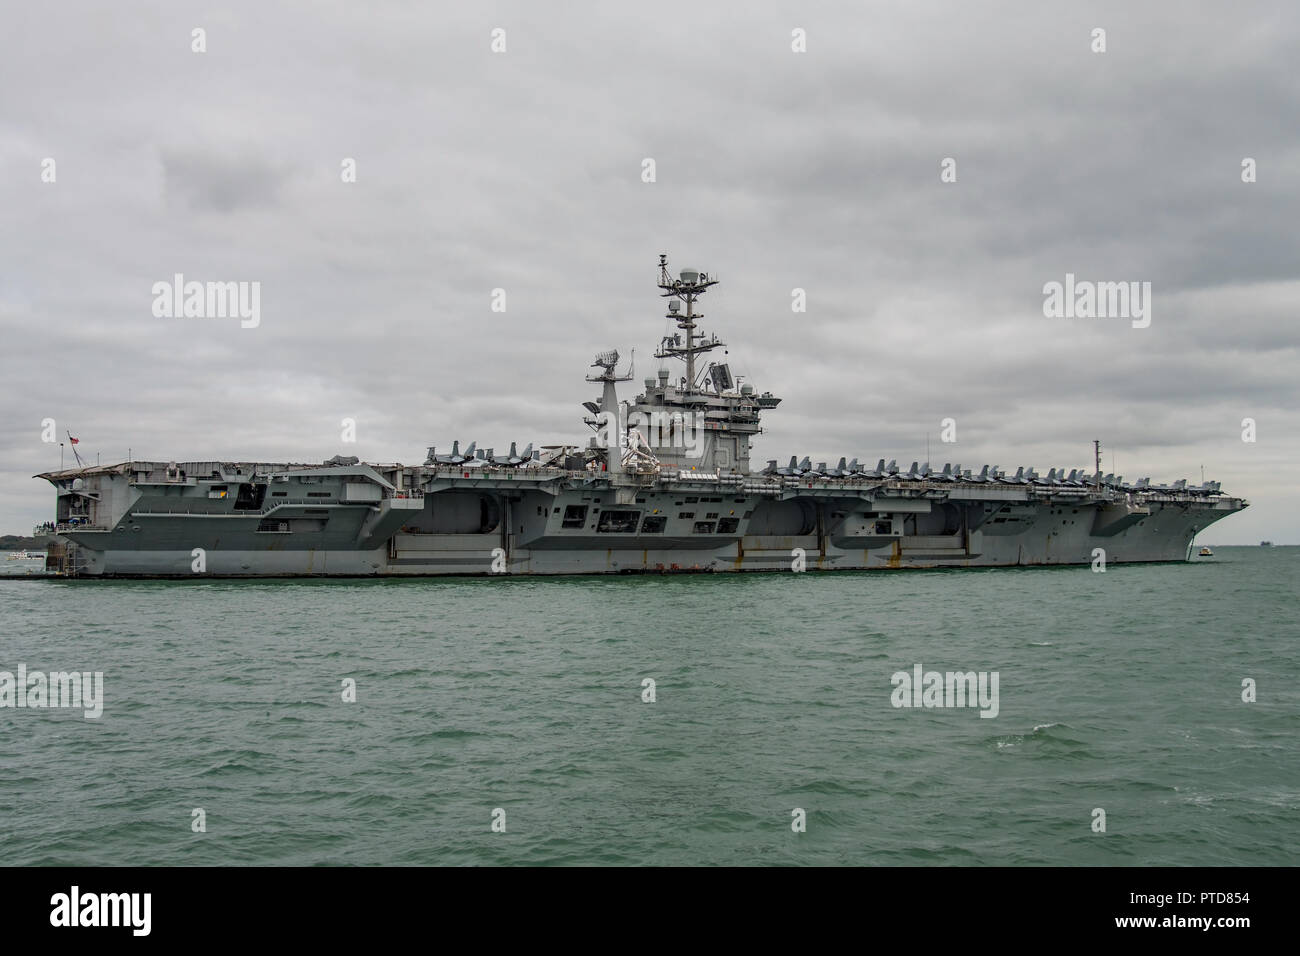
(474, 526)
(663, 486)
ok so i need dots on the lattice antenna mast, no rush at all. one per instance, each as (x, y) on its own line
(688, 287)
(606, 361)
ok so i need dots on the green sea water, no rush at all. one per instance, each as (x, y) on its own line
(1120, 691)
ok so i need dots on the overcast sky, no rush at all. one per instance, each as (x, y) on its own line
(774, 169)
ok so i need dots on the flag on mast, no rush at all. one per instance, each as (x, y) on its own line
(74, 442)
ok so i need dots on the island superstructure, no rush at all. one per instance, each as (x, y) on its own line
(664, 484)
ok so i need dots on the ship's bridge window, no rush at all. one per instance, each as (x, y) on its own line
(575, 516)
(686, 514)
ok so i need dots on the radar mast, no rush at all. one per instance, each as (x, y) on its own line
(688, 287)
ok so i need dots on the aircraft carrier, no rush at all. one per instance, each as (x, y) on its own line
(664, 484)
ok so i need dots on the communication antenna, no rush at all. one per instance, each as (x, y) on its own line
(605, 361)
(686, 289)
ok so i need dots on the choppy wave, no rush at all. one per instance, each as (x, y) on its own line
(771, 698)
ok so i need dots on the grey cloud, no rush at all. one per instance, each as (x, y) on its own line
(211, 182)
(775, 170)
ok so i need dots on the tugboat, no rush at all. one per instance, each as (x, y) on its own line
(1205, 552)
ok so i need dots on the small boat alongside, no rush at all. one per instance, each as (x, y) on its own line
(1205, 552)
(18, 563)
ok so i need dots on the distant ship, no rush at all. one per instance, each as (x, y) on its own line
(663, 485)
(1205, 552)
(23, 562)
(1266, 544)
